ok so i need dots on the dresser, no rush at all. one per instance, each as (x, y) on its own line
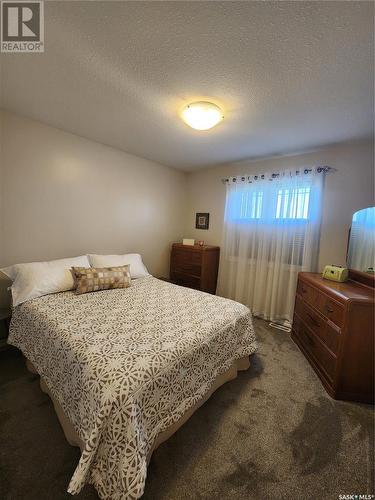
(195, 266)
(333, 325)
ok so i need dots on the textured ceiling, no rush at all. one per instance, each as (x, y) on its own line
(290, 76)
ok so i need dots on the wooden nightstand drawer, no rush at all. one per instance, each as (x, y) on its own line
(186, 280)
(193, 257)
(328, 335)
(184, 261)
(185, 267)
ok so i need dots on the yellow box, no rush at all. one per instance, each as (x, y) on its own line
(335, 273)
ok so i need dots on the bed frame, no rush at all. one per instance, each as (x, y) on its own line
(74, 440)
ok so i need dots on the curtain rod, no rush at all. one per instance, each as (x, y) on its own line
(321, 169)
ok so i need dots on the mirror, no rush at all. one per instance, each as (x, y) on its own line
(361, 248)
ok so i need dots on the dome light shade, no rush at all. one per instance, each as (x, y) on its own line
(202, 115)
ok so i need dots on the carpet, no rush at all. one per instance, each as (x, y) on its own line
(273, 433)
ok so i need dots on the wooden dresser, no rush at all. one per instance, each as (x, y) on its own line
(195, 266)
(333, 326)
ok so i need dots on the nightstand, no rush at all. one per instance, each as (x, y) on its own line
(5, 315)
(195, 266)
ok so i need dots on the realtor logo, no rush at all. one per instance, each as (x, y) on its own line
(22, 26)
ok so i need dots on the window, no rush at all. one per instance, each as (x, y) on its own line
(271, 233)
(251, 206)
(275, 204)
(293, 203)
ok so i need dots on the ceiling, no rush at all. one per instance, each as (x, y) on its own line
(290, 76)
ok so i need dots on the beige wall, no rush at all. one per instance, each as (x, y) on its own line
(62, 195)
(347, 190)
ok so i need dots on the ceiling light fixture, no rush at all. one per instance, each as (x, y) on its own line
(202, 115)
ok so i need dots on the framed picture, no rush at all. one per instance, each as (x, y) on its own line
(202, 220)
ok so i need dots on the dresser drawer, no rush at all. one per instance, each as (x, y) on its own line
(186, 262)
(192, 256)
(314, 347)
(308, 293)
(331, 309)
(186, 280)
(328, 335)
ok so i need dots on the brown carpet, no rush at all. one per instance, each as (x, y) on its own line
(273, 433)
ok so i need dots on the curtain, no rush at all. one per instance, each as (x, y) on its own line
(361, 254)
(271, 232)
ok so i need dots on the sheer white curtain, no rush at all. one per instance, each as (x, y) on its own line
(271, 232)
(361, 254)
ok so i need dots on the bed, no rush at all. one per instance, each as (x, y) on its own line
(125, 368)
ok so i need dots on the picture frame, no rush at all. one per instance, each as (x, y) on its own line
(202, 220)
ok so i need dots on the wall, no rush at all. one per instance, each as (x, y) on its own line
(346, 191)
(62, 195)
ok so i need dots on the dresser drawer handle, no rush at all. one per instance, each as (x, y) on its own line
(329, 309)
(313, 320)
(303, 290)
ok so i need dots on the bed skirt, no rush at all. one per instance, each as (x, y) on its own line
(73, 438)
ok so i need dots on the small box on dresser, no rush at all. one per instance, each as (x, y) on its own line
(195, 266)
(333, 326)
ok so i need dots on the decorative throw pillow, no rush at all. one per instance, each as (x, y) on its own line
(92, 279)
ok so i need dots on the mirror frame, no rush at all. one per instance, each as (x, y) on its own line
(354, 275)
(364, 278)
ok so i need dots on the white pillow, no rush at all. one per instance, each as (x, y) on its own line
(137, 268)
(35, 279)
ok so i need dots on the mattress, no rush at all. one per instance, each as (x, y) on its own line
(126, 365)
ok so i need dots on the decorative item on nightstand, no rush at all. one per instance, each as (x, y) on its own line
(5, 315)
(195, 266)
(188, 241)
